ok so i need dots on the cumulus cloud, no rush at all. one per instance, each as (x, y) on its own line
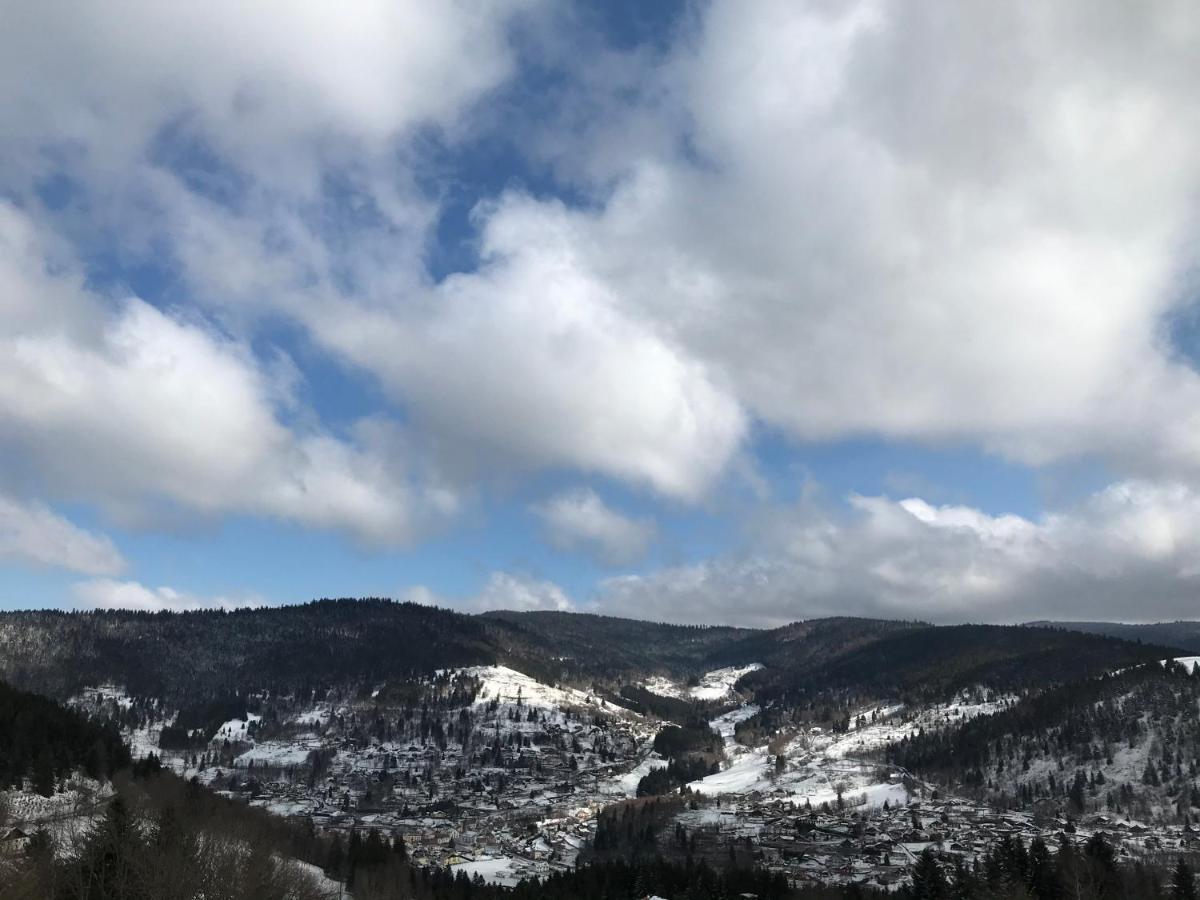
(108, 593)
(955, 225)
(502, 590)
(529, 362)
(1130, 552)
(580, 520)
(130, 407)
(949, 223)
(522, 593)
(257, 82)
(32, 533)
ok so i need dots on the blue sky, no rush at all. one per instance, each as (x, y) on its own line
(685, 311)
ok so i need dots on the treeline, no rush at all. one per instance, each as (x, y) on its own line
(629, 831)
(692, 751)
(194, 657)
(1012, 871)
(670, 709)
(207, 654)
(44, 742)
(598, 646)
(162, 837)
(203, 655)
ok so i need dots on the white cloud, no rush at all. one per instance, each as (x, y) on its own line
(1130, 552)
(132, 408)
(954, 223)
(108, 593)
(258, 82)
(522, 593)
(31, 533)
(502, 590)
(529, 363)
(581, 520)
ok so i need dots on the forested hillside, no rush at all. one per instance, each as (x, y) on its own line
(930, 663)
(42, 742)
(1127, 743)
(192, 656)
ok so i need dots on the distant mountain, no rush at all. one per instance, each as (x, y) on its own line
(926, 664)
(590, 644)
(202, 655)
(1183, 635)
(186, 658)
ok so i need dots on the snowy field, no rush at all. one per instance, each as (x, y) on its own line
(626, 785)
(500, 870)
(513, 688)
(236, 729)
(892, 724)
(715, 685)
(819, 765)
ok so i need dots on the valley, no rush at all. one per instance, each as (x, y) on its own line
(505, 776)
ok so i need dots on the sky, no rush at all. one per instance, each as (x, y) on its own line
(703, 312)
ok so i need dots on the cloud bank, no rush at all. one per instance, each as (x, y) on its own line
(1130, 552)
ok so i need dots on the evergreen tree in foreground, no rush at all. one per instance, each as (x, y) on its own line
(1183, 882)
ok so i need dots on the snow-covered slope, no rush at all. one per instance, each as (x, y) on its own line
(718, 684)
(508, 686)
(236, 729)
(715, 685)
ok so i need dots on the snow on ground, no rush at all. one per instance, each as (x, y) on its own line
(727, 724)
(748, 772)
(317, 717)
(499, 870)
(82, 794)
(236, 729)
(745, 767)
(664, 687)
(890, 726)
(872, 795)
(103, 693)
(627, 784)
(718, 684)
(322, 882)
(715, 685)
(511, 687)
(67, 815)
(816, 766)
(277, 753)
(1188, 662)
(144, 741)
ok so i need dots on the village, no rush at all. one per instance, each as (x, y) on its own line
(512, 786)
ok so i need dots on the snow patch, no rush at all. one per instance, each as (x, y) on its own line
(236, 729)
(510, 687)
(718, 684)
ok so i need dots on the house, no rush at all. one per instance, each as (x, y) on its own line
(13, 841)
